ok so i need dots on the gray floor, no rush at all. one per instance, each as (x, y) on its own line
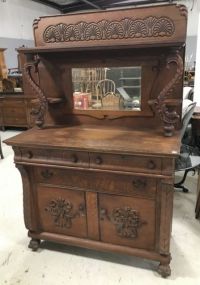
(56, 264)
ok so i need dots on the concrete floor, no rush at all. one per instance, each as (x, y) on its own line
(56, 264)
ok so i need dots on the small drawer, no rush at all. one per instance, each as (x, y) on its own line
(34, 155)
(125, 163)
(56, 157)
(62, 177)
(69, 158)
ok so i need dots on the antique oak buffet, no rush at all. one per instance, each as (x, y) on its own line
(100, 175)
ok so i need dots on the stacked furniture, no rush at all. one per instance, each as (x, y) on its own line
(103, 179)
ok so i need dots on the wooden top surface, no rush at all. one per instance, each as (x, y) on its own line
(148, 142)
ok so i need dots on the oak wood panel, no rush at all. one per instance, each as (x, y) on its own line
(148, 142)
(146, 215)
(62, 211)
(92, 215)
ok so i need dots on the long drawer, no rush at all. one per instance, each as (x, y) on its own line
(103, 182)
(56, 157)
(133, 163)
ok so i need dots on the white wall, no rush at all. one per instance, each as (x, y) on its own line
(16, 18)
(193, 13)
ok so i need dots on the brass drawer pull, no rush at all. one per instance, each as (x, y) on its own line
(138, 183)
(151, 164)
(98, 160)
(82, 210)
(46, 174)
(74, 158)
(103, 214)
(29, 154)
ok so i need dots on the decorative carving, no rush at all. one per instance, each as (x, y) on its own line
(43, 102)
(183, 10)
(35, 23)
(126, 220)
(62, 211)
(169, 118)
(107, 30)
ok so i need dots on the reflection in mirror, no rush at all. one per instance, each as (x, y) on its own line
(113, 88)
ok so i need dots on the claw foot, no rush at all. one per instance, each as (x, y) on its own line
(164, 270)
(34, 244)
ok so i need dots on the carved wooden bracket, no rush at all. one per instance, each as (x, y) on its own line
(169, 118)
(43, 102)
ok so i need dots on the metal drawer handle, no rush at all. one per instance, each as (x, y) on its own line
(151, 164)
(103, 214)
(74, 158)
(82, 210)
(138, 183)
(29, 154)
(46, 174)
(98, 160)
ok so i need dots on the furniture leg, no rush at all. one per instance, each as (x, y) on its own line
(164, 269)
(34, 244)
(179, 184)
(1, 152)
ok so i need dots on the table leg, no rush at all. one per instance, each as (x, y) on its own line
(179, 184)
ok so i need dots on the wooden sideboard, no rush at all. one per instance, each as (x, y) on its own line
(15, 109)
(94, 176)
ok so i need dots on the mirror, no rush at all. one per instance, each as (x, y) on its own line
(107, 88)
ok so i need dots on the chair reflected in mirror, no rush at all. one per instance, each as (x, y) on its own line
(106, 96)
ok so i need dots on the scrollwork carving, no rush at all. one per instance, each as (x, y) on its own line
(127, 221)
(169, 118)
(43, 102)
(62, 212)
(106, 30)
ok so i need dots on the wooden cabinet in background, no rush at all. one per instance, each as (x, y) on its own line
(15, 110)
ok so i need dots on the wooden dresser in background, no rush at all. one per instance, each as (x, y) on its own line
(15, 109)
(94, 176)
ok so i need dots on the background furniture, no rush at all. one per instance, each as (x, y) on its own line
(197, 208)
(103, 179)
(195, 121)
(15, 109)
(1, 152)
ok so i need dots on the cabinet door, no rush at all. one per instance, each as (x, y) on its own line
(61, 211)
(127, 221)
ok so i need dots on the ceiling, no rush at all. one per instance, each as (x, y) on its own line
(67, 6)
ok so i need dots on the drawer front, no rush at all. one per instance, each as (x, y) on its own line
(62, 177)
(13, 103)
(125, 163)
(127, 185)
(127, 221)
(62, 211)
(14, 112)
(56, 157)
(15, 120)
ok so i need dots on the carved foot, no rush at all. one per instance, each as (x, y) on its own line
(164, 270)
(34, 244)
